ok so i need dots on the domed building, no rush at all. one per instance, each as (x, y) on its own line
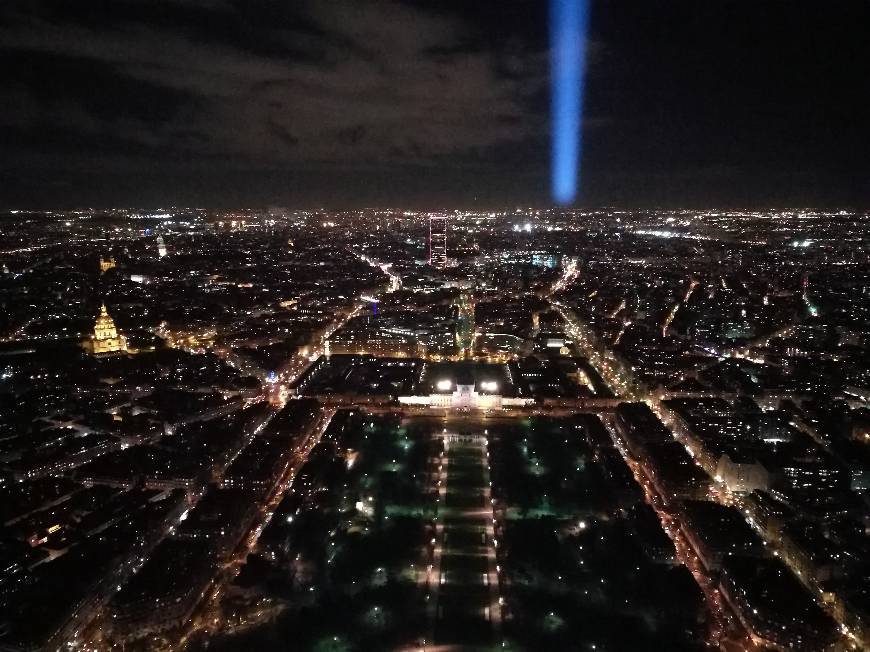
(107, 263)
(105, 340)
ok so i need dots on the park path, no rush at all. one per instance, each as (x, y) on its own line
(464, 576)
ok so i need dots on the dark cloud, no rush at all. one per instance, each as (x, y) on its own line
(414, 101)
(260, 83)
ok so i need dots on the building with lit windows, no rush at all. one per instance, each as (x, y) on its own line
(438, 241)
(466, 387)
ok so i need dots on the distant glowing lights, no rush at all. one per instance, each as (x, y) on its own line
(443, 385)
(665, 233)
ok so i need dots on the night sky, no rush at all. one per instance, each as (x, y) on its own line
(340, 103)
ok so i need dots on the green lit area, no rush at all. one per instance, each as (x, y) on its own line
(481, 533)
(345, 556)
(576, 575)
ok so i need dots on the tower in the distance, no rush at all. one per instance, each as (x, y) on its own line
(438, 241)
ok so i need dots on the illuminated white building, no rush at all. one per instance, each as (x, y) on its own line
(466, 396)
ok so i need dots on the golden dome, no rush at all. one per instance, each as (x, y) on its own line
(105, 338)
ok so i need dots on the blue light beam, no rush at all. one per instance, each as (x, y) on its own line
(568, 25)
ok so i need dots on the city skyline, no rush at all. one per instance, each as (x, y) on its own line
(333, 430)
(425, 326)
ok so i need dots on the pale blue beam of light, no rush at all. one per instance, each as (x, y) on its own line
(568, 24)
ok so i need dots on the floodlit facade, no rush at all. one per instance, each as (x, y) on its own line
(466, 397)
(107, 263)
(105, 340)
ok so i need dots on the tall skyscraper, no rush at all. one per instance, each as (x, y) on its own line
(438, 241)
(161, 247)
